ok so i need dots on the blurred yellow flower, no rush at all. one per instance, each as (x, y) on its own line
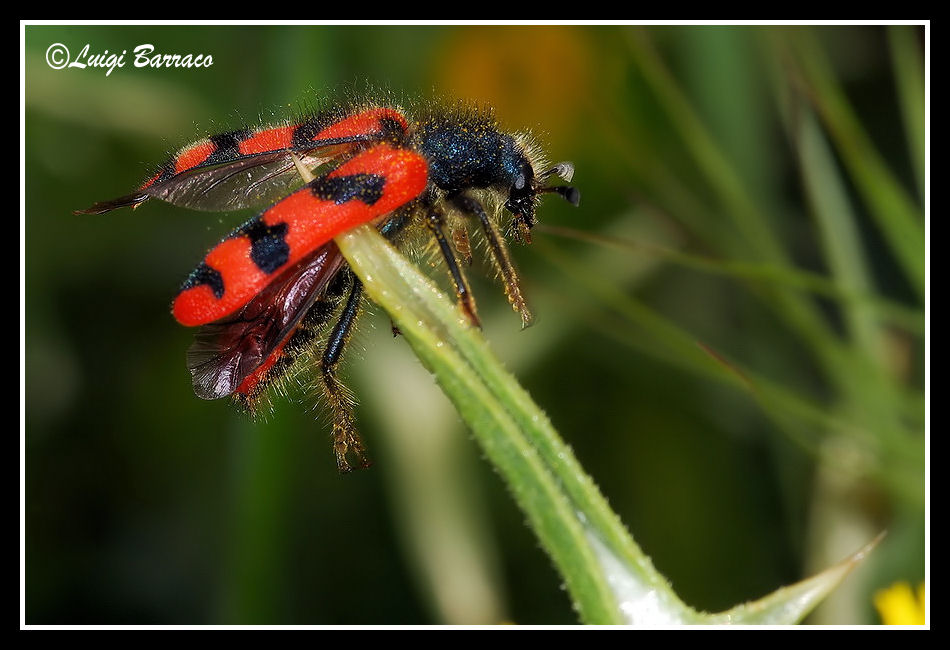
(898, 604)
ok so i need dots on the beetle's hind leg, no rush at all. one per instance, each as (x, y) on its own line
(346, 439)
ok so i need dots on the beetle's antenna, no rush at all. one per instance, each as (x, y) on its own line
(565, 170)
(570, 194)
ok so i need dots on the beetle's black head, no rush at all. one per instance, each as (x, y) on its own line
(525, 192)
(466, 151)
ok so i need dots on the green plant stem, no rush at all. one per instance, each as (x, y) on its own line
(609, 578)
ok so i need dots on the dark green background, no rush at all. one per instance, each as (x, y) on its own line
(146, 505)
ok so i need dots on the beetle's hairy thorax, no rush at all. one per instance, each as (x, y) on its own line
(466, 150)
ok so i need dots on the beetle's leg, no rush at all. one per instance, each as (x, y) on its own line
(462, 244)
(346, 439)
(499, 253)
(435, 220)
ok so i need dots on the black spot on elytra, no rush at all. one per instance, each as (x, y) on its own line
(225, 150)
(205, 274)
(269, 249)
(307, 130)
(167, 171)
(226, 146)
(367, 188)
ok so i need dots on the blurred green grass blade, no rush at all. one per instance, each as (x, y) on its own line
(718, 170)
(756, 238)
(805, 421)
(654, 334)
(439, 508)
(893, 462)
(607, 575)
(255, 566)
(789, 605)
(894, 313)
(899, 219)
(656, 176)
(724, 78)
(840, 239)
(907, 60)
(872, 392)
